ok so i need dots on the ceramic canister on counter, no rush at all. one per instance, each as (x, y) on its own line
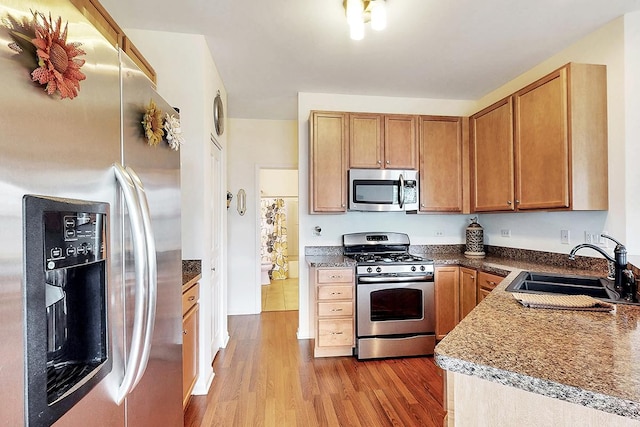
(475, 240)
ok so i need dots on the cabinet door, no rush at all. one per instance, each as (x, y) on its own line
(492, 148)
(328, 154)
(468, 291)
(365, 141)
(440, 164)
(400, 142)
(189, 353)
(447, 300)
(542, 143)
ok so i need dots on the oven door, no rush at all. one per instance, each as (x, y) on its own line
(389, 308)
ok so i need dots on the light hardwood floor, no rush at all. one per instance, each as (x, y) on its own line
(280, 295)
(267, 377)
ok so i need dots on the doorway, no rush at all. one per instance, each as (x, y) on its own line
(279, 239)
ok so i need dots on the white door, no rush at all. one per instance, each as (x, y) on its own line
(218, 311)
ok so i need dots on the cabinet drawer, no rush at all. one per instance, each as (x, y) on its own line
(337, 275)
(190, 298)
(334, 309)
(335, 292)
(335, 332)
(488, 281)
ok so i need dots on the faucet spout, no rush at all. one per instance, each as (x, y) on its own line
(572, 254)
(621, 284)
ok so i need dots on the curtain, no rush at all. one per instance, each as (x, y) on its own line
(273, 235)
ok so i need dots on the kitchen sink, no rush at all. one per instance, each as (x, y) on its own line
(547, 283)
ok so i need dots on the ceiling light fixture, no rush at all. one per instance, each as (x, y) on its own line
(359, 12)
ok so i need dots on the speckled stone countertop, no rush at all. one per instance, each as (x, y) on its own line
(587, 358)
(191, 273)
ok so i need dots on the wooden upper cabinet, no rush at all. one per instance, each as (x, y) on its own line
(400, 142)
(109, 28)
(365, 141)
(441, 164)
(328, 162)
(558, 156)
(492, 175)
(378, 141)
(542, 143)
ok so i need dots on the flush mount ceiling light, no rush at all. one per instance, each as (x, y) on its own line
(359, 12)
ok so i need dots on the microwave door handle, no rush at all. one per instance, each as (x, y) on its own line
(401, 195)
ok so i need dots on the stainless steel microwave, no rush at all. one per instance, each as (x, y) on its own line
(383, 190)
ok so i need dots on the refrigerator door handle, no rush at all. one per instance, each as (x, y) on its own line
(132, 203)
(152, 268)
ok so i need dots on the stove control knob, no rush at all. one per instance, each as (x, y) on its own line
(413, 268)
(378, 270)
(422, 268)
(369, 269)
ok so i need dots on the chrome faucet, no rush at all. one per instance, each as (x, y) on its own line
(624, 280)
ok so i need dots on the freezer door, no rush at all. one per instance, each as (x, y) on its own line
(61, 148)
(157, 399)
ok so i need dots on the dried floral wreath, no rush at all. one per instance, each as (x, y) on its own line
(152, 123)
(58, 62)
(174, 133)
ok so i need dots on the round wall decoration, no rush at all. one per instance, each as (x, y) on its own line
(218, 114)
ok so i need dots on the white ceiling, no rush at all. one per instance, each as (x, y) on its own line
(269, 50)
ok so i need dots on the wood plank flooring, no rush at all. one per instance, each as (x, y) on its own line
(267, 377)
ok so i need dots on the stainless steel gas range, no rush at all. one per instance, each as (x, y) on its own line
(395, 307)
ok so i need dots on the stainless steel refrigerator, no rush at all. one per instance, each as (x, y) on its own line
(73, 153)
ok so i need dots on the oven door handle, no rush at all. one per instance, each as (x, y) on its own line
(396, 279)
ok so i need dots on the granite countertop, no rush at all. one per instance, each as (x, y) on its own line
(191, 273)
(588, 358)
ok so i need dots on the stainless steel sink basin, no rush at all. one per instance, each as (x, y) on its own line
(548, 283)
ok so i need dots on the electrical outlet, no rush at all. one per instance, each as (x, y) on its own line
(588, 237)
(505, 233)
(564, 237)
(439, 233)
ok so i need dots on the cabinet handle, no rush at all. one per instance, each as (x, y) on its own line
(337, 333)
(491, 283)
(336, 309)
(336, 293)
(336, 277)
(192, 297)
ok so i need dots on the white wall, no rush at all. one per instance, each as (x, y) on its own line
(188, 78)
(254, 144)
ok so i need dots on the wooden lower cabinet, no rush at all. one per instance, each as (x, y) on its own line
(458, 291)
(468, 291)
(190, 324)
(486, 283)
(447, 292)
(334, 310)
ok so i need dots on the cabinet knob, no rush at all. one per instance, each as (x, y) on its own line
(472, 278)
(191, 298)
(379, 162)
(184, 332)
(517, 202)
(343, 205)
(388, 162)
(509, 202)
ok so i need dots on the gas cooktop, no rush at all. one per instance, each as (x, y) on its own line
(382, 258)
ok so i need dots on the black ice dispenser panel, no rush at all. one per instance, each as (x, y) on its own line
(65, 299)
